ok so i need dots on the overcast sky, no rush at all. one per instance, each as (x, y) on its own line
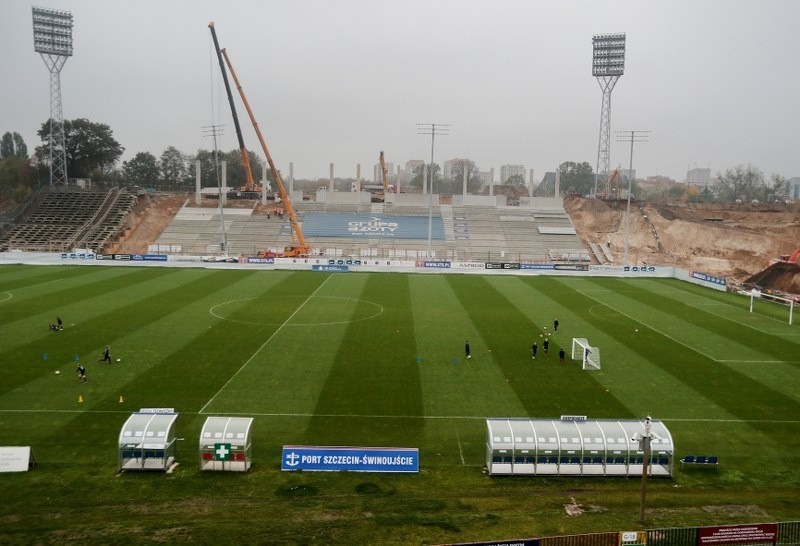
(717, 82)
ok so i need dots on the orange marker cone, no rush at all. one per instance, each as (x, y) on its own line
(121, 400)
(80, 399)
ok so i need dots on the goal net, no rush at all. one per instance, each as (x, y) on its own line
(588, 355)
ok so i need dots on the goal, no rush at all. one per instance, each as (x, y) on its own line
(588, 355)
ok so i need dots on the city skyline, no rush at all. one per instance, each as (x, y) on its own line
(338, 82)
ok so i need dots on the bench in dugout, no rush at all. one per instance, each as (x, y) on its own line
(700, 461)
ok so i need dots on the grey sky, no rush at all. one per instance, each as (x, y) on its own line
(337, 81)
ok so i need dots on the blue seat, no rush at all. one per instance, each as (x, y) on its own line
(587, 460)
(619, 460)
(529, 460)
(575, 460)
(552, 460)
(701, 459)
(519, 460)
(541, 459)
(597, 460)
(496, 459)
(663, 461)
(688, 459)
(712, 459)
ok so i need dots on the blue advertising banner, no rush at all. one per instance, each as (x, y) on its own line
(149, 257)
(371, 226)
(536, 266)
(436, 264)
(350, 459)
(333, 268)
(254, 260)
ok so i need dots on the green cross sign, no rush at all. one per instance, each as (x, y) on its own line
(222, 452)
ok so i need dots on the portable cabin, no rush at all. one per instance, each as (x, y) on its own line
(225, 444)
(576, 446)
(147, 441)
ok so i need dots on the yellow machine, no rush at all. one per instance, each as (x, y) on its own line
(299, 248)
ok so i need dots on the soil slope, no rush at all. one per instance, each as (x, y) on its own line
(733, 241)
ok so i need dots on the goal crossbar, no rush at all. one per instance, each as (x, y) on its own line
(588, 355)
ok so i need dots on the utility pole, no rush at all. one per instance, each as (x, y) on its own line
(630, 136)
(214, 131)
(432, 129)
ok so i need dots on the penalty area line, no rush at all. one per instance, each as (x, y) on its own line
(275, 333)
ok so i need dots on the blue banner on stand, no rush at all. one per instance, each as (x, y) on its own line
(350, 459)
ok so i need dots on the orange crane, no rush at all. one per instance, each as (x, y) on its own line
(299, 248)
(250, 188)
(385, 174)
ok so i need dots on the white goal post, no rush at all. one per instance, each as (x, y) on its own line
(588, 355)
(755, 293)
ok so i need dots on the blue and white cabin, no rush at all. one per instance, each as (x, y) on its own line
(576, 446)
(147, 441)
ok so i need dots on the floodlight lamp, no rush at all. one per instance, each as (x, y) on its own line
(608, 57)
(52, 32)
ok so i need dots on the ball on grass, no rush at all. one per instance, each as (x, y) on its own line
(636, 330)
(119, 360)
(57, 372)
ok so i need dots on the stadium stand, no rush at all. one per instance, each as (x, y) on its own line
(471, 233)
(69, 219)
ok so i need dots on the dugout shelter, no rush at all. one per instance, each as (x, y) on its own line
(148, 441)
(225, 444)
(576, 446)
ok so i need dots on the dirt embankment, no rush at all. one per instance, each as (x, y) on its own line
(733, 241)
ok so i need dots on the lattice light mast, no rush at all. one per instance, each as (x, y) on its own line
(52, 39)
(608, 64)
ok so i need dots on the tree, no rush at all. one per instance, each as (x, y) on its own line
(418, 175)
(173, 168)
(576, 177)
(515, 180)
(779, 189)
(741, 183)
(473, 177)
(142, 170)
(89, 146)
(13, 145)
(17, 177)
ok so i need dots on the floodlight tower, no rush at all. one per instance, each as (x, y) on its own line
(52, 39)
(608, 64)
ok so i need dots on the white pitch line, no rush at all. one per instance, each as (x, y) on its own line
(8, 298)
(694, 349)
(278, 329)
(424, 417)
(761, 361)
(460, 451)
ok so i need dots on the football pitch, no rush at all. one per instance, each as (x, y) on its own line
(377, 359)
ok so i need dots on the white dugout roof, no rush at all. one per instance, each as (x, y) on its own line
(575, 446)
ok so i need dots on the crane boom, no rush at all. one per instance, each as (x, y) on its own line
(249, 184)
(385, 174)
(300, 247)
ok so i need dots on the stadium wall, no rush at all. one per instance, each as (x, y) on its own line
(323, 263)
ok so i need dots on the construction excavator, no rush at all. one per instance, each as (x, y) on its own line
(250, 190)
(378, 191)
(299, 248)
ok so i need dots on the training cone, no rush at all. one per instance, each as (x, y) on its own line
(121, 400)
(80, 398)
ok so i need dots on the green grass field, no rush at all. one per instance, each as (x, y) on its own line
(377, 360)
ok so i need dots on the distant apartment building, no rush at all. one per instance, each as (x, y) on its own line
(378, 175)
(485, 177)
(507, 171)
(698, 177)
(451, 164)
(794, 188)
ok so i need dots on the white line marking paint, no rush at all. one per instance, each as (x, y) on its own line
(275, 333)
